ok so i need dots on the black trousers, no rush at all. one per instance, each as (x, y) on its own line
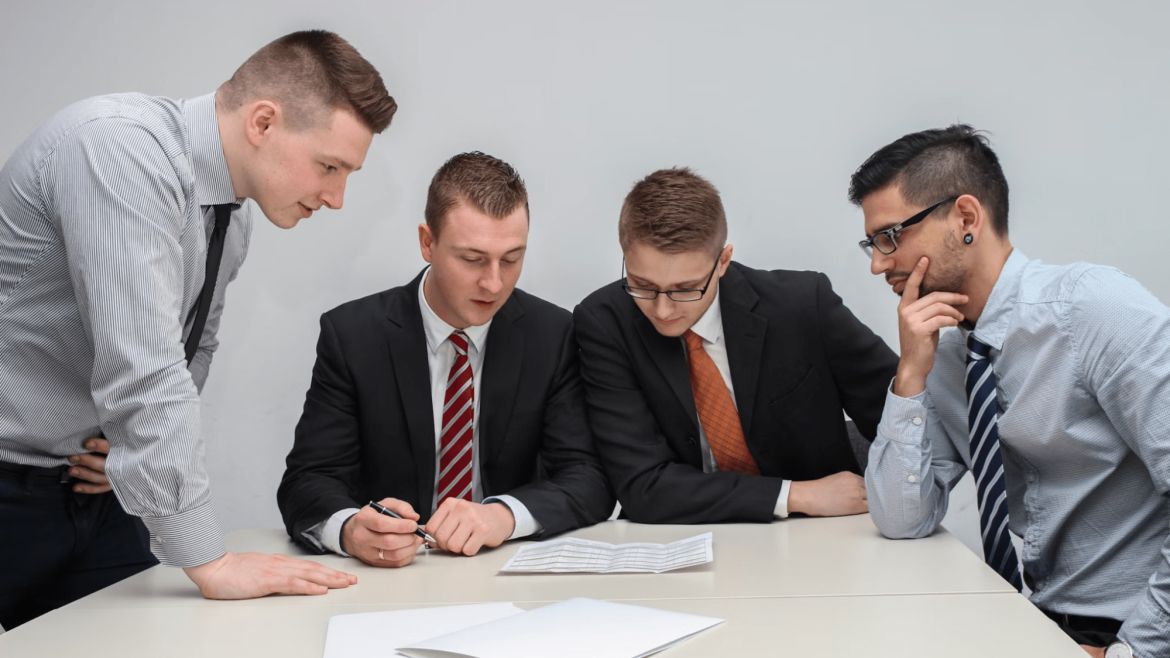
(1091, 631)
(57, 546)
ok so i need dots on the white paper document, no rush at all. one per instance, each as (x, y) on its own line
(377, 634)
(577, 628)
(581, 555)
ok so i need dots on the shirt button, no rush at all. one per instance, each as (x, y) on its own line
(1031, 477)
(1030, 538)
(916, 421)
(913, 478)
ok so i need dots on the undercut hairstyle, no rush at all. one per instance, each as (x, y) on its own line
(310, 74)
(489, 185)
(933, 165)
(673, 211)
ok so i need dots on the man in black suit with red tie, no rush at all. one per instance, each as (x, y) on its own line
(455, 400)
(715, 391)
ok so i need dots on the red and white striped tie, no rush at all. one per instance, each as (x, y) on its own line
(455, 444)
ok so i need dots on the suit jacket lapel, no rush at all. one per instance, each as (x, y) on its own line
(744, 332)
(502, 363)
(667, 353)
(408, 352)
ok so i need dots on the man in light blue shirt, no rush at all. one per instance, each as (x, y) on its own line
(1054, 391)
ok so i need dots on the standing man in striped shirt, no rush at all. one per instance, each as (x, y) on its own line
(1054, 392)
(122, 220)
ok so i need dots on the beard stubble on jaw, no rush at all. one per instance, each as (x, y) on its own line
(946, 273)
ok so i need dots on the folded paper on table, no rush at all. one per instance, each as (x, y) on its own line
(576, 628)
(376, 634)
(571, 555)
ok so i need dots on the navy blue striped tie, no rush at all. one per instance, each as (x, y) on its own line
(987, 464)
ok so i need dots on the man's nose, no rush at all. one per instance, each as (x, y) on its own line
(333, 196)
(880, 262)
(492, 282)
(663, 306)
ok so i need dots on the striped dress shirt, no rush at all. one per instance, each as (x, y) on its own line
(105, 214)
(1081, 355)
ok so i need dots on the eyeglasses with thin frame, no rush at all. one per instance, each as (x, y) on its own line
(886, 241)
(688, 295)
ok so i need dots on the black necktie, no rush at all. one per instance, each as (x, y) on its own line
(223, 216)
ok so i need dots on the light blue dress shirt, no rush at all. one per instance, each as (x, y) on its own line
(1081, 354)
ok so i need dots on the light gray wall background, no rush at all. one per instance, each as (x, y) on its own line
(776, 102)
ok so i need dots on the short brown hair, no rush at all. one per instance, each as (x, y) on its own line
(310, 74)
(487, 184)
(673, 211)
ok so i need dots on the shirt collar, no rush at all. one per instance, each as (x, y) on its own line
(709, 327)
(438, 331)
(213, 183)
(997, 313)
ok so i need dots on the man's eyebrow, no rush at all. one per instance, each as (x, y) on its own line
(885, 227)
(481, 252)
(688, 285)
(339, 163)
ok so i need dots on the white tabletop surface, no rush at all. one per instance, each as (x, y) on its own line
(824, 587)
(796, 557)
(954, 625)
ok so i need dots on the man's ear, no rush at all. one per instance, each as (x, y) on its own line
(725, 259)
(426, 241)
(971, 216)
(260, 117)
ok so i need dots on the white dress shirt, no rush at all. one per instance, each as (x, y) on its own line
(710, 328)
(440, 356)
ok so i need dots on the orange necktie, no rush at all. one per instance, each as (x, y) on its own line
(717, 412)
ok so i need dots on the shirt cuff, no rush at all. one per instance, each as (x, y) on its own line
(781, 511)
(326, 535)
(903, 419)
(187, 539)
(526, 524)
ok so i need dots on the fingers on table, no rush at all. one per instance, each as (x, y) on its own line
(285, 575)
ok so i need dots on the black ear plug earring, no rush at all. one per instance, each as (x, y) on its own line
(968, 239)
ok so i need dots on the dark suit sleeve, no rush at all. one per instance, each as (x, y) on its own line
(862, 364)
(576, 492)
(652, 483)
(323, 468)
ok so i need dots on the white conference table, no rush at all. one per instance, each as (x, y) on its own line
(828, 587)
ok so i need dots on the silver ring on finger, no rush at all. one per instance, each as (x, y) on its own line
(381, 556)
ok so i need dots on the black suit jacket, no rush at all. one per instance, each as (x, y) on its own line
(797, 356)
(367, 431)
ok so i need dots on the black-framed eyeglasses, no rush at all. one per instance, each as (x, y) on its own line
(886, 241)
(692, 295)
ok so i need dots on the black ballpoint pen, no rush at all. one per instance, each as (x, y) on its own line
(418, 531)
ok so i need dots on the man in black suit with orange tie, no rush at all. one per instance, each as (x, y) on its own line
(715, 391)
(454, 400)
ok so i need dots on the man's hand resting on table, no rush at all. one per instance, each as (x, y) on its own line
(463, 527)
(380, 540)
(252, 575)
(839, 494)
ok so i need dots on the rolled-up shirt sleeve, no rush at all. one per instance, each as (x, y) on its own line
(912, 468)
(121, 209)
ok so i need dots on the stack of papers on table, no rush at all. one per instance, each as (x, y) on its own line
(581, 555)
(584, 628)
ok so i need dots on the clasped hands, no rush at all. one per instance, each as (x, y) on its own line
(458, 526)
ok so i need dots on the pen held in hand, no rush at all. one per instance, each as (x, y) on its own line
(418, 531)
